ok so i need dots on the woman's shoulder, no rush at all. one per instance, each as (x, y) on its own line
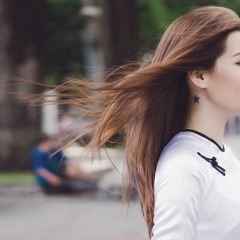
(181, 149)
(180, 158)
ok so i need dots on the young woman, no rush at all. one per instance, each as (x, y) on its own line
(172, 113)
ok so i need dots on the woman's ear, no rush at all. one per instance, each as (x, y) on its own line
(198, 78)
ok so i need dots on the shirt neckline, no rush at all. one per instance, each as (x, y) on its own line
(222, 149)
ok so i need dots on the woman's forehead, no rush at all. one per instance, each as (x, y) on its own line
(232, 45)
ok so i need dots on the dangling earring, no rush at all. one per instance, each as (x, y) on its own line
(196, 99)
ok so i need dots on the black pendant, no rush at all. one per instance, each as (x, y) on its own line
(196, 99)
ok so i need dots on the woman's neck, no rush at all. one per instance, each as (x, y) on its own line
(210, 123)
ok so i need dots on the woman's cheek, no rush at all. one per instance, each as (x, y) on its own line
(225, 96)
(226, 85)
(233, 88)
(231, 97)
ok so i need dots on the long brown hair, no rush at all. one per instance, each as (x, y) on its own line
(151, 103)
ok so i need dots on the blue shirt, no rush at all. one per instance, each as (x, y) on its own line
(54, 164)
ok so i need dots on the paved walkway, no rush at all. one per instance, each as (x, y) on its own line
(34, 216)
(27, 214)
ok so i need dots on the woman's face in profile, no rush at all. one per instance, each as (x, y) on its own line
(224, 81)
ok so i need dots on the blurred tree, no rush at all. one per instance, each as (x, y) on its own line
(64, 45)
(156, 15)
(128, 25)
(22, 31)
(121, 31)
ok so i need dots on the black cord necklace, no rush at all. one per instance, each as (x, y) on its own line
(214, 163)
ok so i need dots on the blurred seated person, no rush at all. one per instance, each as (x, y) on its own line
(55, 173)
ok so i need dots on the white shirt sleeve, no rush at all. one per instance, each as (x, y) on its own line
(179, 184)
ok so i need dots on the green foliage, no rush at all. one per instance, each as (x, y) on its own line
(97, 2)
(156, 15)
(64, 48)
(233, 4)
(61, 10)
(150, 26)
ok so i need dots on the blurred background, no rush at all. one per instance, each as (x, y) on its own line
(48, 41)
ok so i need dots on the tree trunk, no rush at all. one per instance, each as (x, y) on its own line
(120, 38)
(22, 41)
(121, 31)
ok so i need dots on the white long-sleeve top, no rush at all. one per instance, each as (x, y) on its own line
(194, 200)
